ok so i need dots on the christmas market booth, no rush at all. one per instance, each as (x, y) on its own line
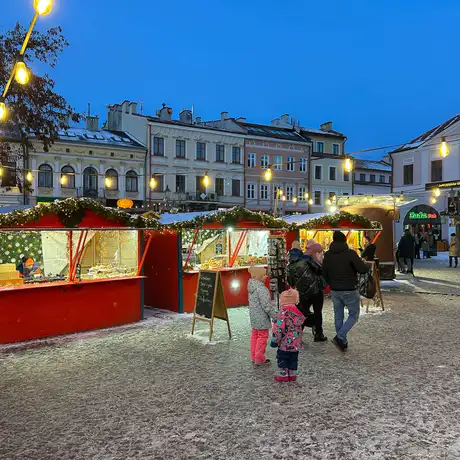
(69, 266)
(227, 242)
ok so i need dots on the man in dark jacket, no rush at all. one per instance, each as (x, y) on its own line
(303, 274)
(340, 269)
(406, 249)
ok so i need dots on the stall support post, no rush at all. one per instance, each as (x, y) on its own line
(70, 242)
(191, 247)
(238, 248)
(180, 307)
(376, 237)
(140, 270)
(144, 253)
(229, 239)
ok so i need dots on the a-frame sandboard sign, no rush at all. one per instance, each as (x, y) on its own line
(210, 301)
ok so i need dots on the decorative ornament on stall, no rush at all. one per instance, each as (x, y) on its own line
(125, 203)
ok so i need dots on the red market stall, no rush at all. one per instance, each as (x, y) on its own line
(225, 241)
(70, 266)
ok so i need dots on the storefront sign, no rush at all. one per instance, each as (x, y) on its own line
(422, 216)
(452, 184)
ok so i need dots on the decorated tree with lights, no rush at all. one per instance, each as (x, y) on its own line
(29, 104)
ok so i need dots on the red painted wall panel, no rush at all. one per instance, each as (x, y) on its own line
(54, 310)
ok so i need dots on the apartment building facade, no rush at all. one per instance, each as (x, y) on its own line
(371, 177)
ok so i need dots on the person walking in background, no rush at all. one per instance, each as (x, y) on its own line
(260, 313)
(368, 253)
(340, 269)
(425, 249)
(454, 250)
(406, 251)
(287, 336)
(418, 243)
(304, 274)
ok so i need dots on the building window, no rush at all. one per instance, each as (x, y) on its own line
(180, 148)
(278, 191)
(320, 147)
(346, 176)
(250, 191)
(291, 164)
(408, 174)
(236, 187)
(69, 173)
(158, 146)
(45, 176)
(251, 160)
(278, 162)
(236, 155)
(332, 173)
(436, 171)
(289, 192)
(201, 151)
(200, 187)
(372, 178)
(220, 153)
(220, 186)
(132, 182)
(302, 192)
(264, 161)
(318, 172)
(8, 178)
(318, 198)
(332, 196)
(303, 165)
(264, 192)
(362, 177)
(382, 179)
(336, 149)
(180, 183)
(90, 179)
(112, 175)
(160, 179)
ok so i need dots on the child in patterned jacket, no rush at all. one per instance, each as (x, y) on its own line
(287, 336)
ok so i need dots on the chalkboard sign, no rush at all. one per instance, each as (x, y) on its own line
(206, 293)
(210, 301)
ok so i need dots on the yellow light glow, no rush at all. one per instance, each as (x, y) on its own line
(1, 171)
(43, 7)
(397, 199)
(22, 74)
(329, 202)
(29, 176)
(153, 183)
(64, 180)
(347, 202)
(268, 175)
(235, 284)
(306, 195)
(348, 165)
(365, 199)
(437, 192)
(444, 149)
(310, 201)
(333, 208)
(433, 200)
(3, 111)
(294, 200)
(372, 200)
(283, 198)
(108, 182)
(206, 180)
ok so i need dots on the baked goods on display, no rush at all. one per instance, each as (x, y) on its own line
(108, 271)
(9, 276)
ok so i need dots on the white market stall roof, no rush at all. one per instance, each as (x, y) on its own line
(167, 219)
(382, 200)
(5, 209)
(302, 218)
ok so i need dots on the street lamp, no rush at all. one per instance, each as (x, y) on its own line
(167, 194)
(108, 182)
(21, 73)
(63, 180)
(29, 176)
(153, 183)
(444, 149)
(206, 180)
(43, 7)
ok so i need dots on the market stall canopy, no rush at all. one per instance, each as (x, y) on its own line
(299, 219)
(375, 200)
(74, 213)
(338, 221)
(237, 218)
(5, 209)
(167, 219)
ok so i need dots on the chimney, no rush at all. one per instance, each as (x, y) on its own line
(133, 108)
(125, 107)
(326, 126)
(165, 113)
(223, 116)
(186, 116)
(198, 120)
(92, 123)
(241, 119)
(282, 121)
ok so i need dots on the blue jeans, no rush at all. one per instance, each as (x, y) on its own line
(340, 300)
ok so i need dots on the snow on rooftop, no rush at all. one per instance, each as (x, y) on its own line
(100, 137)
(302, 218)
(369, 164)
(182, 216)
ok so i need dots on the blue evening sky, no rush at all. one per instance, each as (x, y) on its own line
(382, 71)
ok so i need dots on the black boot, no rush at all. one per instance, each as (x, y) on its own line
(320, 337)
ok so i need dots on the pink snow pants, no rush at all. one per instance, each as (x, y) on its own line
(259, 339)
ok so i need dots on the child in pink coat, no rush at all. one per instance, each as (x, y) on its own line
(287, 336)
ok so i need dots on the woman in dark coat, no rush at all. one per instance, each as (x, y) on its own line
(406, 249)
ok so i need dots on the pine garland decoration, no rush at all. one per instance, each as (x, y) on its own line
(333, 221)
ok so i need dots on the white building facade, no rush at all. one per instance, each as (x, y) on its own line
(371, 177)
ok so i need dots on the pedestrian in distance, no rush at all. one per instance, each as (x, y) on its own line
(425, 249)
(418, 242)
(340, 269)
(406, 251)
(454, 250)
(304, 274)
(287, 336)
(261, 311)
(368, 253)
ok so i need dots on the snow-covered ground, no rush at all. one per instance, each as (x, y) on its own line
(156, 392)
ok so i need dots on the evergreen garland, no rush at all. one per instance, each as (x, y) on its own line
(333, 221)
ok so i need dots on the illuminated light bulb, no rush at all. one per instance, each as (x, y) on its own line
(43, 7)
(365, 199)
(310, 201)
(348, 165)
(294, 200)
(283, 198)
(306, 195)
(1, 171)
(347, 202)
(153, 183)
(21, 74)
(230, 229)
(29, 176)
(401, 197)
(64, 179)
(444, 149)
(397, 199)
(437, 192)
(268, 175)
(333, 208)
(235, 284)
(3, 110)
(206, 180)
(329, 202)
(108, 182)
(433, 200)
(372, 200)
